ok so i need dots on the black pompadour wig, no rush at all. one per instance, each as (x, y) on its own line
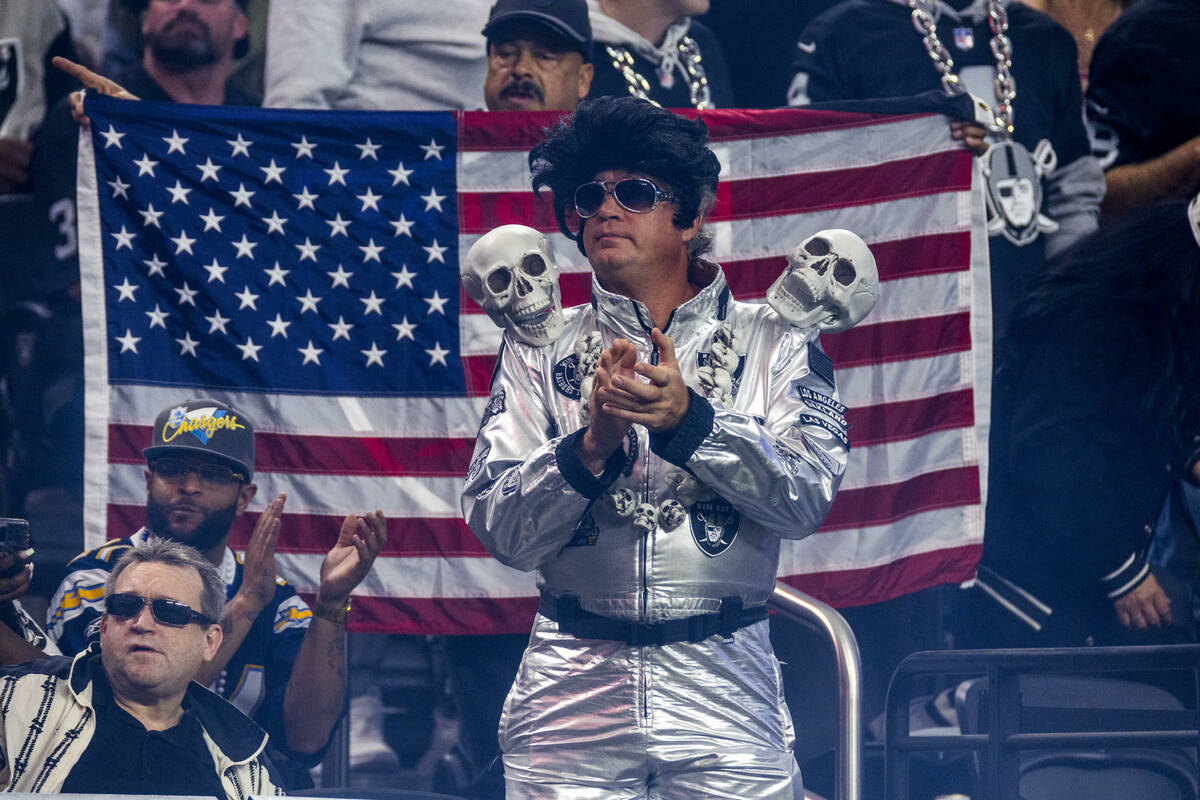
(631, 134)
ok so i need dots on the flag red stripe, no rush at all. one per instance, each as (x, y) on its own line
(749, 278)
(435, 536)
(441, 616)
(936, 173)
(840, 188)
(899, 340)
(882, 504)
(414, 537)
(859, 587)
(908, 419)
(400, 456)
(480, 130)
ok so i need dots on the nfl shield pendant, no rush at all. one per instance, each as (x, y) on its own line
(964, 38)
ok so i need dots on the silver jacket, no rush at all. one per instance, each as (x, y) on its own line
(768, 462)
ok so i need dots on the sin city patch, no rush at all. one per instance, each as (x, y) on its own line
(714, 525)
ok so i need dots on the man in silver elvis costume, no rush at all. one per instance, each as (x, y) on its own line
(652, 506)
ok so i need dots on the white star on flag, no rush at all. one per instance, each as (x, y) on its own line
(368, 149)
(273, 173)
(276, 275)
(278, 326)
(374, 355)
(124, 238)
(248, 299)
(158, 317)
(212, 220)
(129, 341)
(111, 137)
(438, 354)
(146, 165)
(216, 272)
(216, 322)
(249, 349)
(435, 252)
(187, 345)
(336, 174)
(183, 243)
(340, 277)
(404, 329)
(373, 304)
(404, 276)
(175, 142)
(312, 355)
(341, 329)
(303, 147)
(433, 200)
(371, 251)
(240, 146)
(208, 170)
(308, 302)
(187, 295)
(432, 150)
(437, 303)
(245, 247)
(400, 174)
(125, 290)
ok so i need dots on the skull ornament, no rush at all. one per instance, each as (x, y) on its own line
(831, 282)
(622, 502)
(509, 272)
(645, 517)
(671, 514)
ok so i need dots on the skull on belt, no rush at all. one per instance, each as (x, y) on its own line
(831, 282)
(509, 272)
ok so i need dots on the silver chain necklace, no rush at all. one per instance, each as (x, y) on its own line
(925, 22)
(689, 58)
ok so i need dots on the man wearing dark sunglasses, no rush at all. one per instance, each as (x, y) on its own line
(125, 716)
(279, 660)
(647, 464)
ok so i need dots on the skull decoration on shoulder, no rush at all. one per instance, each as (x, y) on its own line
(831, 282)
(509, 272)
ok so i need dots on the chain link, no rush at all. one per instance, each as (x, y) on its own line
(924, 20)
(699, 92)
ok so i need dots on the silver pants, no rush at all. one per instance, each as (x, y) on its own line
(600, 719)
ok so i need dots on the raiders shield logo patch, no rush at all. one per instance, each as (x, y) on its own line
(714, 525)
(566, 377)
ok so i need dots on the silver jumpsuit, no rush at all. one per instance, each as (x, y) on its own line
(597, 718)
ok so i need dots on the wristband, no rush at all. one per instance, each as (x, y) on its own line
(334, 613)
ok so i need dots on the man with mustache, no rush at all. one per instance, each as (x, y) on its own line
(279, 662)
(539, 55)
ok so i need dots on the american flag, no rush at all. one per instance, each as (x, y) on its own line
(303, 266)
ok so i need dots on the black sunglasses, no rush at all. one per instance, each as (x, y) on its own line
(168, 612)
(638, 195)
(175, 469)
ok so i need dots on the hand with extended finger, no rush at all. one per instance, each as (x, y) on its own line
(606, 432)
(660, 401)
(90, 80)
(349, 560)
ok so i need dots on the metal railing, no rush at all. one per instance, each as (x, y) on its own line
(824, 619)
(1010, 726)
